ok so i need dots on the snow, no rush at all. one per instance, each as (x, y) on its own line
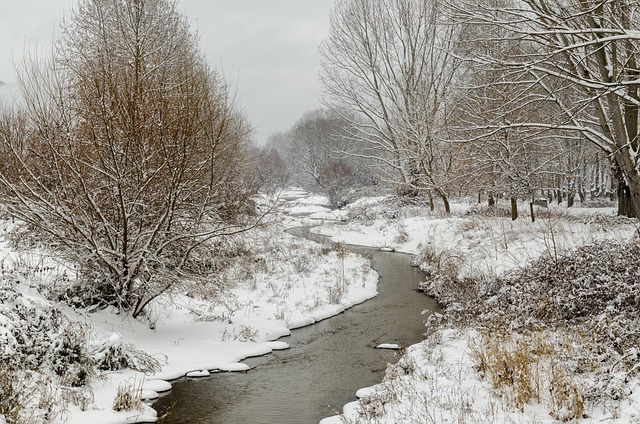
(158, 386)
(148, 395)
(198, 374)
(391, 346)
(299, 283)
(485, 245)
(296, 283)
(438, 380)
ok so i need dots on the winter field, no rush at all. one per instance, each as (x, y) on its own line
(518, 343)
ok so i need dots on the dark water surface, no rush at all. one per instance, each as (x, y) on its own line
(327, 363)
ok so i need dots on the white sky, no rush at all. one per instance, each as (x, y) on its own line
(267, 48)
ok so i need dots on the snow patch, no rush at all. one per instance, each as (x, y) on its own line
(390, 346)
(158, 386)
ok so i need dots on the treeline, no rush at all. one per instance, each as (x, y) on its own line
(510, 98)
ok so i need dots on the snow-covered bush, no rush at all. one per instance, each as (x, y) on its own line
(114, 353)
(46, 360)
(589, 298)
(495, 211)
(31, 332)
(443, 263)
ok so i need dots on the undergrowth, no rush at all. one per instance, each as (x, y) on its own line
(587, 298)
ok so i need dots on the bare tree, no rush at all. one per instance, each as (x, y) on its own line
(271, 173)
(321, 155)
(135, 153)
(581, 64)
(390, 62)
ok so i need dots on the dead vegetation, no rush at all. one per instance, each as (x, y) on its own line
(565, 330)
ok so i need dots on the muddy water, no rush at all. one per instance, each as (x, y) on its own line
(326, 364)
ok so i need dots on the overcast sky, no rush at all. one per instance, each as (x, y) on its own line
(268, 48)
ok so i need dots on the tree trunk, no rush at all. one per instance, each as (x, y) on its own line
(533, 217)
(447, 207)
(514, 208)
(445, 200)
(625, 201)
(490, 200)
(628, 192)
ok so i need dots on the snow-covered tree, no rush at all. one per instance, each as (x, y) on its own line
(578, 63)
(390, 63)
(134, 158)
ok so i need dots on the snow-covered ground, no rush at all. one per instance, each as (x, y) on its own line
(483, 369)
(289, 282)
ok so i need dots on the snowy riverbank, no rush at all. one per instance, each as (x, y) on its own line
(466, 370)
(479, 364)
(284, 283)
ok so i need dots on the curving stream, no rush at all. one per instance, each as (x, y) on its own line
(327, 363)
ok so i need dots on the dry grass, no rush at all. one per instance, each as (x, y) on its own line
(128, 397)
(526, 368)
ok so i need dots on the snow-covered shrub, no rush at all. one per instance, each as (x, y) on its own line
(497, 210)
(114, 353)
(588, 283)
(402, 235)
(30, 331)
(72, 361)
(303, 258)
(335, 292)
(369, 212)
(589, 296)
(437, 263)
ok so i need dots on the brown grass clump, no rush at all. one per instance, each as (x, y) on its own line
(511, 367)
(128, 397)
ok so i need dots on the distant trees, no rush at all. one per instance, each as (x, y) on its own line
(130, 157)
(390, 63)
(321, 154)
(321, 147)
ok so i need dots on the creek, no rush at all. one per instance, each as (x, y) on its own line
(326, 364)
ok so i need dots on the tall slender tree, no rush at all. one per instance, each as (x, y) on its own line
(390, 63)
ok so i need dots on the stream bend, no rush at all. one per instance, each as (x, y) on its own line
(327, 363)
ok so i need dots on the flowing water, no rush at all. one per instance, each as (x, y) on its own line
(327, 363)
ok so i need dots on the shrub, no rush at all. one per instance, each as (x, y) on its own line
(114, 353)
